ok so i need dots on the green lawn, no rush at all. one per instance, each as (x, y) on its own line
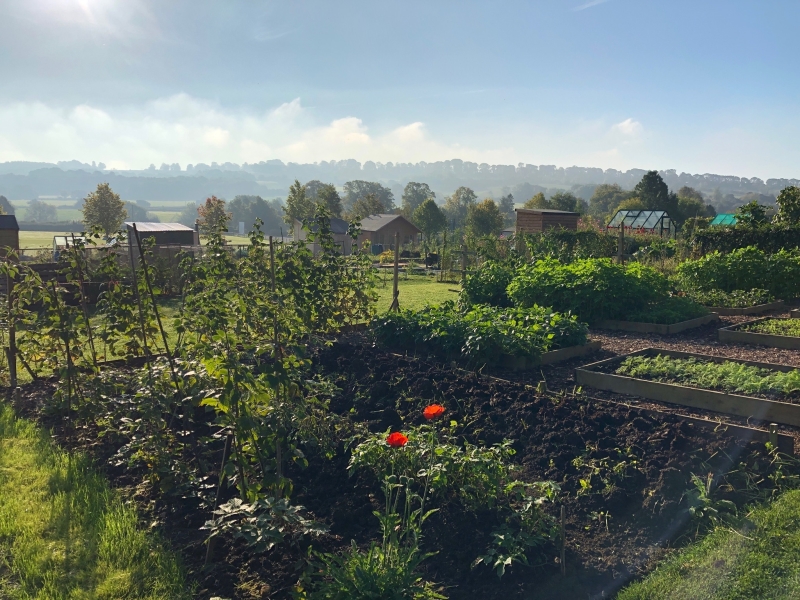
(415, 292)
(728, 565)
(65, 534)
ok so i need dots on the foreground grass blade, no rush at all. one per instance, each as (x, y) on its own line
(728, 565)
(65, 534)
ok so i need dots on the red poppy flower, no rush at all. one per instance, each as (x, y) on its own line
(396, 440)
(433, 411)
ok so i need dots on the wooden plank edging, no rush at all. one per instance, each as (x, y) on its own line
(734, 404)
(732, 334)
(748, 310)
(659, 328)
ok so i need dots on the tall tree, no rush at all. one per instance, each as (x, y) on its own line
(414, 194)
(690, 192)
(188, 215)
(789, 206)
(506, 206)
(457, 204)
(353, 190)
(6, 206)
(537, 201)
(103, 208)
(429, 218)
(605, 198)
(298, 205)
(752, 214)
(246, 209)
(367, 205)
(213, 216)
(567, 201)
(327, 195)
(654, 193)
(40, 212)
(484, 219)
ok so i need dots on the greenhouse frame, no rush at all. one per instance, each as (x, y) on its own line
(648, 221)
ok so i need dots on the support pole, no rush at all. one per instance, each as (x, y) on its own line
(12, 333)
(395, 291)
(563, 544)
(621, 243)
(139, 303)
(463, 263)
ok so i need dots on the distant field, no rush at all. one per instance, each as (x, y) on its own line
(164, 216)
(37, 239)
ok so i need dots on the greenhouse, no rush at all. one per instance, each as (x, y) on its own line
(647, 221)
(724, 219)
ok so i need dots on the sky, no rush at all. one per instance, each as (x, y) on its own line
(698, 86)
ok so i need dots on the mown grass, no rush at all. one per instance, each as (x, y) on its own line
(415, 292)
(65, 535)
(38, 239)
(728, 565)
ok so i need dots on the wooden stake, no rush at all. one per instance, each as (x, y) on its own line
(395, 291)
(773, 434)
(12, 334)
(463, 263)
(621, 243)
(155, 307)
(139, 303)
(84, 306)
(563, 544)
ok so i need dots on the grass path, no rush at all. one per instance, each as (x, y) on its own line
(65, 535)
(415, 292)
(763, 563)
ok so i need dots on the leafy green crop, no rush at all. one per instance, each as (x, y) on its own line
(674, 309)
(487, 285)
(734, 299)
(788, 327)
(480, 335)
(727, 376)
(594, 289)
(744, 269)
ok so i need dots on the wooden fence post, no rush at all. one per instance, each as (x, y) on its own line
(395, 291)
(621, 243)
(463, 263)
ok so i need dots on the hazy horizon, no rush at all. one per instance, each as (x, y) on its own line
(708, 88)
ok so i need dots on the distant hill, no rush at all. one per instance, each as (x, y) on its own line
(73, 179)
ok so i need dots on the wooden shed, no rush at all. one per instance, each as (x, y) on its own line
(536, 220)
(9, 233)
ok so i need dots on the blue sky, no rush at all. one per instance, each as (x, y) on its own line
(708, 86)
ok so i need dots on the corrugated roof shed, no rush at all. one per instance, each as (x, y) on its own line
(146, 226)
(724, 219)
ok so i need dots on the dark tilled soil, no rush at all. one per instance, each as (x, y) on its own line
(646, 511)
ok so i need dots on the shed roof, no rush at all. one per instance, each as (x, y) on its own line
(338, 226)
(9, 222)
(377, 222)
(640, 219)
(547, 210)
(146, 226)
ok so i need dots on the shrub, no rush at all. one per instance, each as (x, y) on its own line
(481, 335)
(743, 269)
(594, 289)
(487, 285)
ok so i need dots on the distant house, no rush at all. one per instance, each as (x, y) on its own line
(339, 229)
(537, 220)
(380, 231)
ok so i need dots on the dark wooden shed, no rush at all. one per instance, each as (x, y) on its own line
(9, 233)
(537, 220)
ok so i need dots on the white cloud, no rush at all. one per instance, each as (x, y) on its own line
(184, 129)
(628, 127)
(589, 4)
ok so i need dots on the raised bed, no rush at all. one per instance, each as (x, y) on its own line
(794, 313)
(733, 404)
(735, 334)
(514, 363)
(748, 310)
(658, 327)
